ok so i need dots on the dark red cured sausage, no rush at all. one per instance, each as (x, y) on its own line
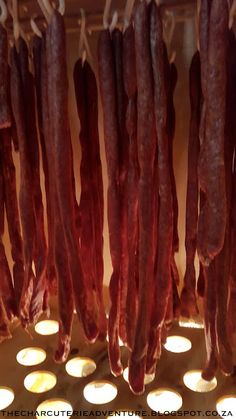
(163, 292)
(165, 225)
(121, 101)
(65, 293)
(188, 297)
(25, 196)
(146, 141)
(12, 213)
(211, 165)
(51, 272)
(224, 349)
(108, 94)
(62, 156)
(232, 285)
(97, 187)
(2, 221)
(4, 328)
(38, 45)
(176, 299)
(201, 281)
(203, 41)
(6, 286)
(130, 85)
(172, 80)
(210, 303)
(91, 200)
(58, 250)
(231, 132)
(7, 294)
(5, 112)
(173, 310)
(201, 276)
(40, 250)
(223, 344)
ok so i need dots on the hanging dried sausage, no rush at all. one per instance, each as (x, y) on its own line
(5, 112)
(108, 94)
(188, 297)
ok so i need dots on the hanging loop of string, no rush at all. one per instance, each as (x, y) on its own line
(87, 47)
(127, 13)
(84, 49)
(3, 16)
(16, 25)
(82, 31)
(197, 15)
(47, 8)
(114, 21)
(62, 7)
(106, 14)
(169, 27)
(35, 28)
(44, 10)
(17, 29)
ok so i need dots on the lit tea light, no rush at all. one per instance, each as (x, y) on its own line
(194, 381)
(59, 407)
(40, 381)
(31, 356)
(80, 367)
(6, 397)
(47, 327)
(147, 380)
(100, 392)
(191, 324)
(226, 404)
(177, 344)
(162, 400)
(125, 414)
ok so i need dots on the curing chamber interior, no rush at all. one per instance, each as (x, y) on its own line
(117, 208)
